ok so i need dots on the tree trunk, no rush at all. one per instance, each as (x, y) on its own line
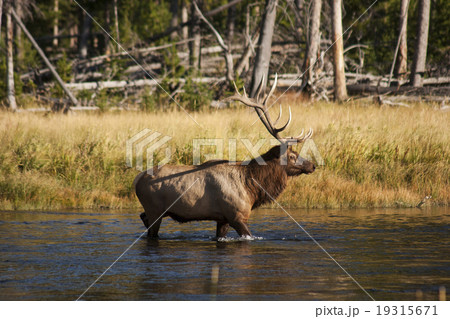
(196, 34)
(420, 55)
(73, 31)
(313, 42)
(296, 7)
(19, 38)
(263, 54)
(231, 20)
(401, 62)
(184, 19)
(1, 13)
(55, 23)
(340, 89)
(116, 24)
(244, 62)
(11, 93)
(174, 19)
(84, 38)
(106, 38)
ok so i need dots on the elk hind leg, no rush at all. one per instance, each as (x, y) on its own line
(152, 222)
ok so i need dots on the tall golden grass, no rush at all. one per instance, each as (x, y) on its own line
(374, 157)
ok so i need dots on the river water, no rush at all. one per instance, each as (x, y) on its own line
(391, 253)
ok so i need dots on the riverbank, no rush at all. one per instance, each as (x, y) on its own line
(374, 157)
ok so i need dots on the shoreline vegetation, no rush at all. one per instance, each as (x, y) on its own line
(374, 156)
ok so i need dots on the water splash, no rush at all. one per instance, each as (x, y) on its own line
(236, 239)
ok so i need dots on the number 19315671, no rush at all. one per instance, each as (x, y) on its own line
(406, 310)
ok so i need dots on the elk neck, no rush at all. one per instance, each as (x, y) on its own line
(265, 182)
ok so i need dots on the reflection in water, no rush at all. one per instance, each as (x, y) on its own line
(391, 253)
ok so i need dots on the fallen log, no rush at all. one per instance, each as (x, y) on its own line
(109, 84)
(436, 81)
(136, 83)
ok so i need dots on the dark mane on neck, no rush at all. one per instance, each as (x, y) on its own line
(265, 182)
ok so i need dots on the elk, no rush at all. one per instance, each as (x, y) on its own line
(219, 190)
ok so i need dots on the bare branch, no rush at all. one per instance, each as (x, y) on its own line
(219, 38)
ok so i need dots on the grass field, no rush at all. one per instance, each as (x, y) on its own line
(374, 157)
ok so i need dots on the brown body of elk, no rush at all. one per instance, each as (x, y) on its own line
(221, 191)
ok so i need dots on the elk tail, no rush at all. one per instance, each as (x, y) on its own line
(136, 180)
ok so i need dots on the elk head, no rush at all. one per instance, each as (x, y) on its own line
(293, 164)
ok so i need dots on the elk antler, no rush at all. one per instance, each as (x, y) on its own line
(263, 113)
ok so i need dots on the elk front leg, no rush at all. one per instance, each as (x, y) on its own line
(144, 219)
(241, 227)
(222, 229)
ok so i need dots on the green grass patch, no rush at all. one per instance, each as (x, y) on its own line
(374, 157)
